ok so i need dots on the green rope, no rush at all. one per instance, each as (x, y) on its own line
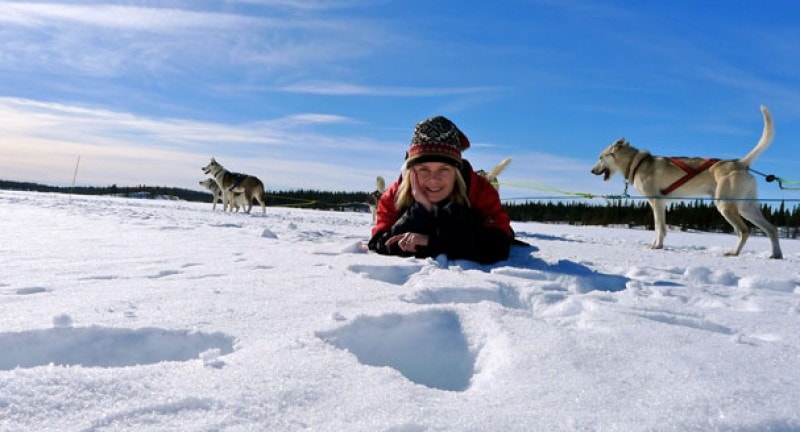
(302, 203)
(628, 197)
(771, 178)
(545, 188)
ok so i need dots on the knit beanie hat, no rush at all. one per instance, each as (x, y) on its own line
(436, 139)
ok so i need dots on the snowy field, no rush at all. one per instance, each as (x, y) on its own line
(138, 315)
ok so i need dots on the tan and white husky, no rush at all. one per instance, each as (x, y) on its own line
(728, 182)
(231, 183)
(238, 199)
(495, 172)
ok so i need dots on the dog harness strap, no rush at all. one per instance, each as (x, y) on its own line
(690, 173)
(239, 179)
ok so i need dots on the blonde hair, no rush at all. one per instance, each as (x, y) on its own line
(405, 198)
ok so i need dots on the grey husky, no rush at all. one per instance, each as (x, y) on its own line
(375, 197)
(232, 183)
(212, 186)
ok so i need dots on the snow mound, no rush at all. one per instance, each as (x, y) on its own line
(768, 283)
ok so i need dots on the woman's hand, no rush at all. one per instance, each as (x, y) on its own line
(408, 242)
(418, 192)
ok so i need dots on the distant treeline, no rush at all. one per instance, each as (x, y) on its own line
(296, 198)
(124, 191)
(699, 215)
(307, 198)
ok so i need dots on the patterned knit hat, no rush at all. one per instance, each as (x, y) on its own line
(436, 139)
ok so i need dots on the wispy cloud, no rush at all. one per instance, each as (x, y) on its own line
(42, 137)
(117, 17)
(345, 89)
(108, 39)
(68, 122)
(306, 4)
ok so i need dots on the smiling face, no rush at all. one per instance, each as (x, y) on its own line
(436, 180)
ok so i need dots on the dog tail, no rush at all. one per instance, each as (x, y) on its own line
(763, 143)
(380, 183)
(495, 172)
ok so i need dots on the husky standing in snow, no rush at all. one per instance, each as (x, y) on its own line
(231, 183)
(375, 197)
(495, 172)
(212, 186)
(727, 181)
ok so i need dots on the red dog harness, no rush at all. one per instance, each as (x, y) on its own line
(690, 173)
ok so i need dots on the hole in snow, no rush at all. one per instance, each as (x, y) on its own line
(106, 347)
(31, 290)
(428, 348)
(397, 275)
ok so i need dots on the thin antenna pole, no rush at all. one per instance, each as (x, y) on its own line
(74, 176)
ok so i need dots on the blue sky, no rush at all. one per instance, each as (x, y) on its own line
(325, 94)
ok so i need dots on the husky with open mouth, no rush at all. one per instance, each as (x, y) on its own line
(728, 182)
(232, 183)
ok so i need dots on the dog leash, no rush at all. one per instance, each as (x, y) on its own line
(772, 177)
(301, 202)
(545, 188)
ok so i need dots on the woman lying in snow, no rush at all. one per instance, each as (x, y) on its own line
(440, 205)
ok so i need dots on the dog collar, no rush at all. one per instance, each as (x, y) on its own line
(635, 164)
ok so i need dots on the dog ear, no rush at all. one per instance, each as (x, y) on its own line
(622, 142)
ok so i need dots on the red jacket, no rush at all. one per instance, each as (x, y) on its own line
(483, 197)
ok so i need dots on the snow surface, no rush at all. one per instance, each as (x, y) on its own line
(137, 315)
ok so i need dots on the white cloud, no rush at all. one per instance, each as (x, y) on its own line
(306, 4)
(120, 40)
(23, 117)
(39, 141)
(116, 17)
(346, 89)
